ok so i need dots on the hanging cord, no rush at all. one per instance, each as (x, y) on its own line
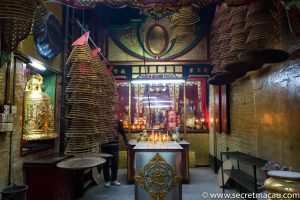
(91, 40)
(148, 96)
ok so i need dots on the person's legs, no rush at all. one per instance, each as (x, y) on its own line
(114, 164)
(105, 165)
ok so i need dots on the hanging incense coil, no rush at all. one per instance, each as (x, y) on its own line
(238, 29)
(280, 20)
(238, 47)
(238, 38)
(185, 16)
(105, 112)
(81, 127)
(236, 19)
(40, 15)
(81, 112)
(16, 19)
(228, 59)
(257, 7)
(225, 44)
(217, 64)
(79, 88)
(225, 35)
(231, 56)
(83, 98)
(182, 23)
(239, 10)
(259, 34)
(81, 145)
(237, 3)
(203, 2)
(224, 13)
(13, 32)
(80, 54)
(294, 20)
(258, 19)
(225, 25)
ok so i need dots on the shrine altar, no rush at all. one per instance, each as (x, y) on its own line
(158, 171)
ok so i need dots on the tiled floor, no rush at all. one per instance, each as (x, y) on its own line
(201, 180)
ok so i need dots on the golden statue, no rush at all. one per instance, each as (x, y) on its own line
(38, 111)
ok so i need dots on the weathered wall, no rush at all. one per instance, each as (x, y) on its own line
(265, 111)
(27, 48)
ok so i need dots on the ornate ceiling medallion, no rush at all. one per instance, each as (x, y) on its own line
(157, 177)
(157, 40)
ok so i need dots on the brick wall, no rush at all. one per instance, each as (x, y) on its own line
(265, 111)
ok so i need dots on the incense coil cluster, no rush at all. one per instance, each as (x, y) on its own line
(246, 27)
(16, 21)
(183, 23)
(108, 95)
(278, 13)
(259, 23)
(286, 15)
(238, 33)
(90, 90)
(237, 3)
(294, 20)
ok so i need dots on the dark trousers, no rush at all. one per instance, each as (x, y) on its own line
(114, 161)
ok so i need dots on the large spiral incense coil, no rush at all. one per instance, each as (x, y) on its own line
(224, 15)
(39, 17)
(80, 54)
(81, 127)
(78, 85)
(237, 3)
(16, 20)
(82, 145)
(225, 35)
(256, 7)
(225, 26)
(258, 35)
(259, 24)
(202, 2)
(238, 29)
(185, 16)
(239, 10)
(183, 23)
(238, 35)
(294, 20)
(102, 72)
(80, 111)
(279, 17)
(258, 19)
(83, 89)
(225, 44)
(106, 99)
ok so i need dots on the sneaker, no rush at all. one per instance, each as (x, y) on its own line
(107, 184)
(117, 183)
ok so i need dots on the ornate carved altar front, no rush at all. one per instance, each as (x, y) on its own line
(158, 171)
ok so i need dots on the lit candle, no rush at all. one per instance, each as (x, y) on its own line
(159, 139)
(152, 137)
(167, 137)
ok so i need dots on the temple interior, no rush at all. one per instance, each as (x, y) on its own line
(149, 99)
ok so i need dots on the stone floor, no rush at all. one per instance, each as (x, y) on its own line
(201, 180)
